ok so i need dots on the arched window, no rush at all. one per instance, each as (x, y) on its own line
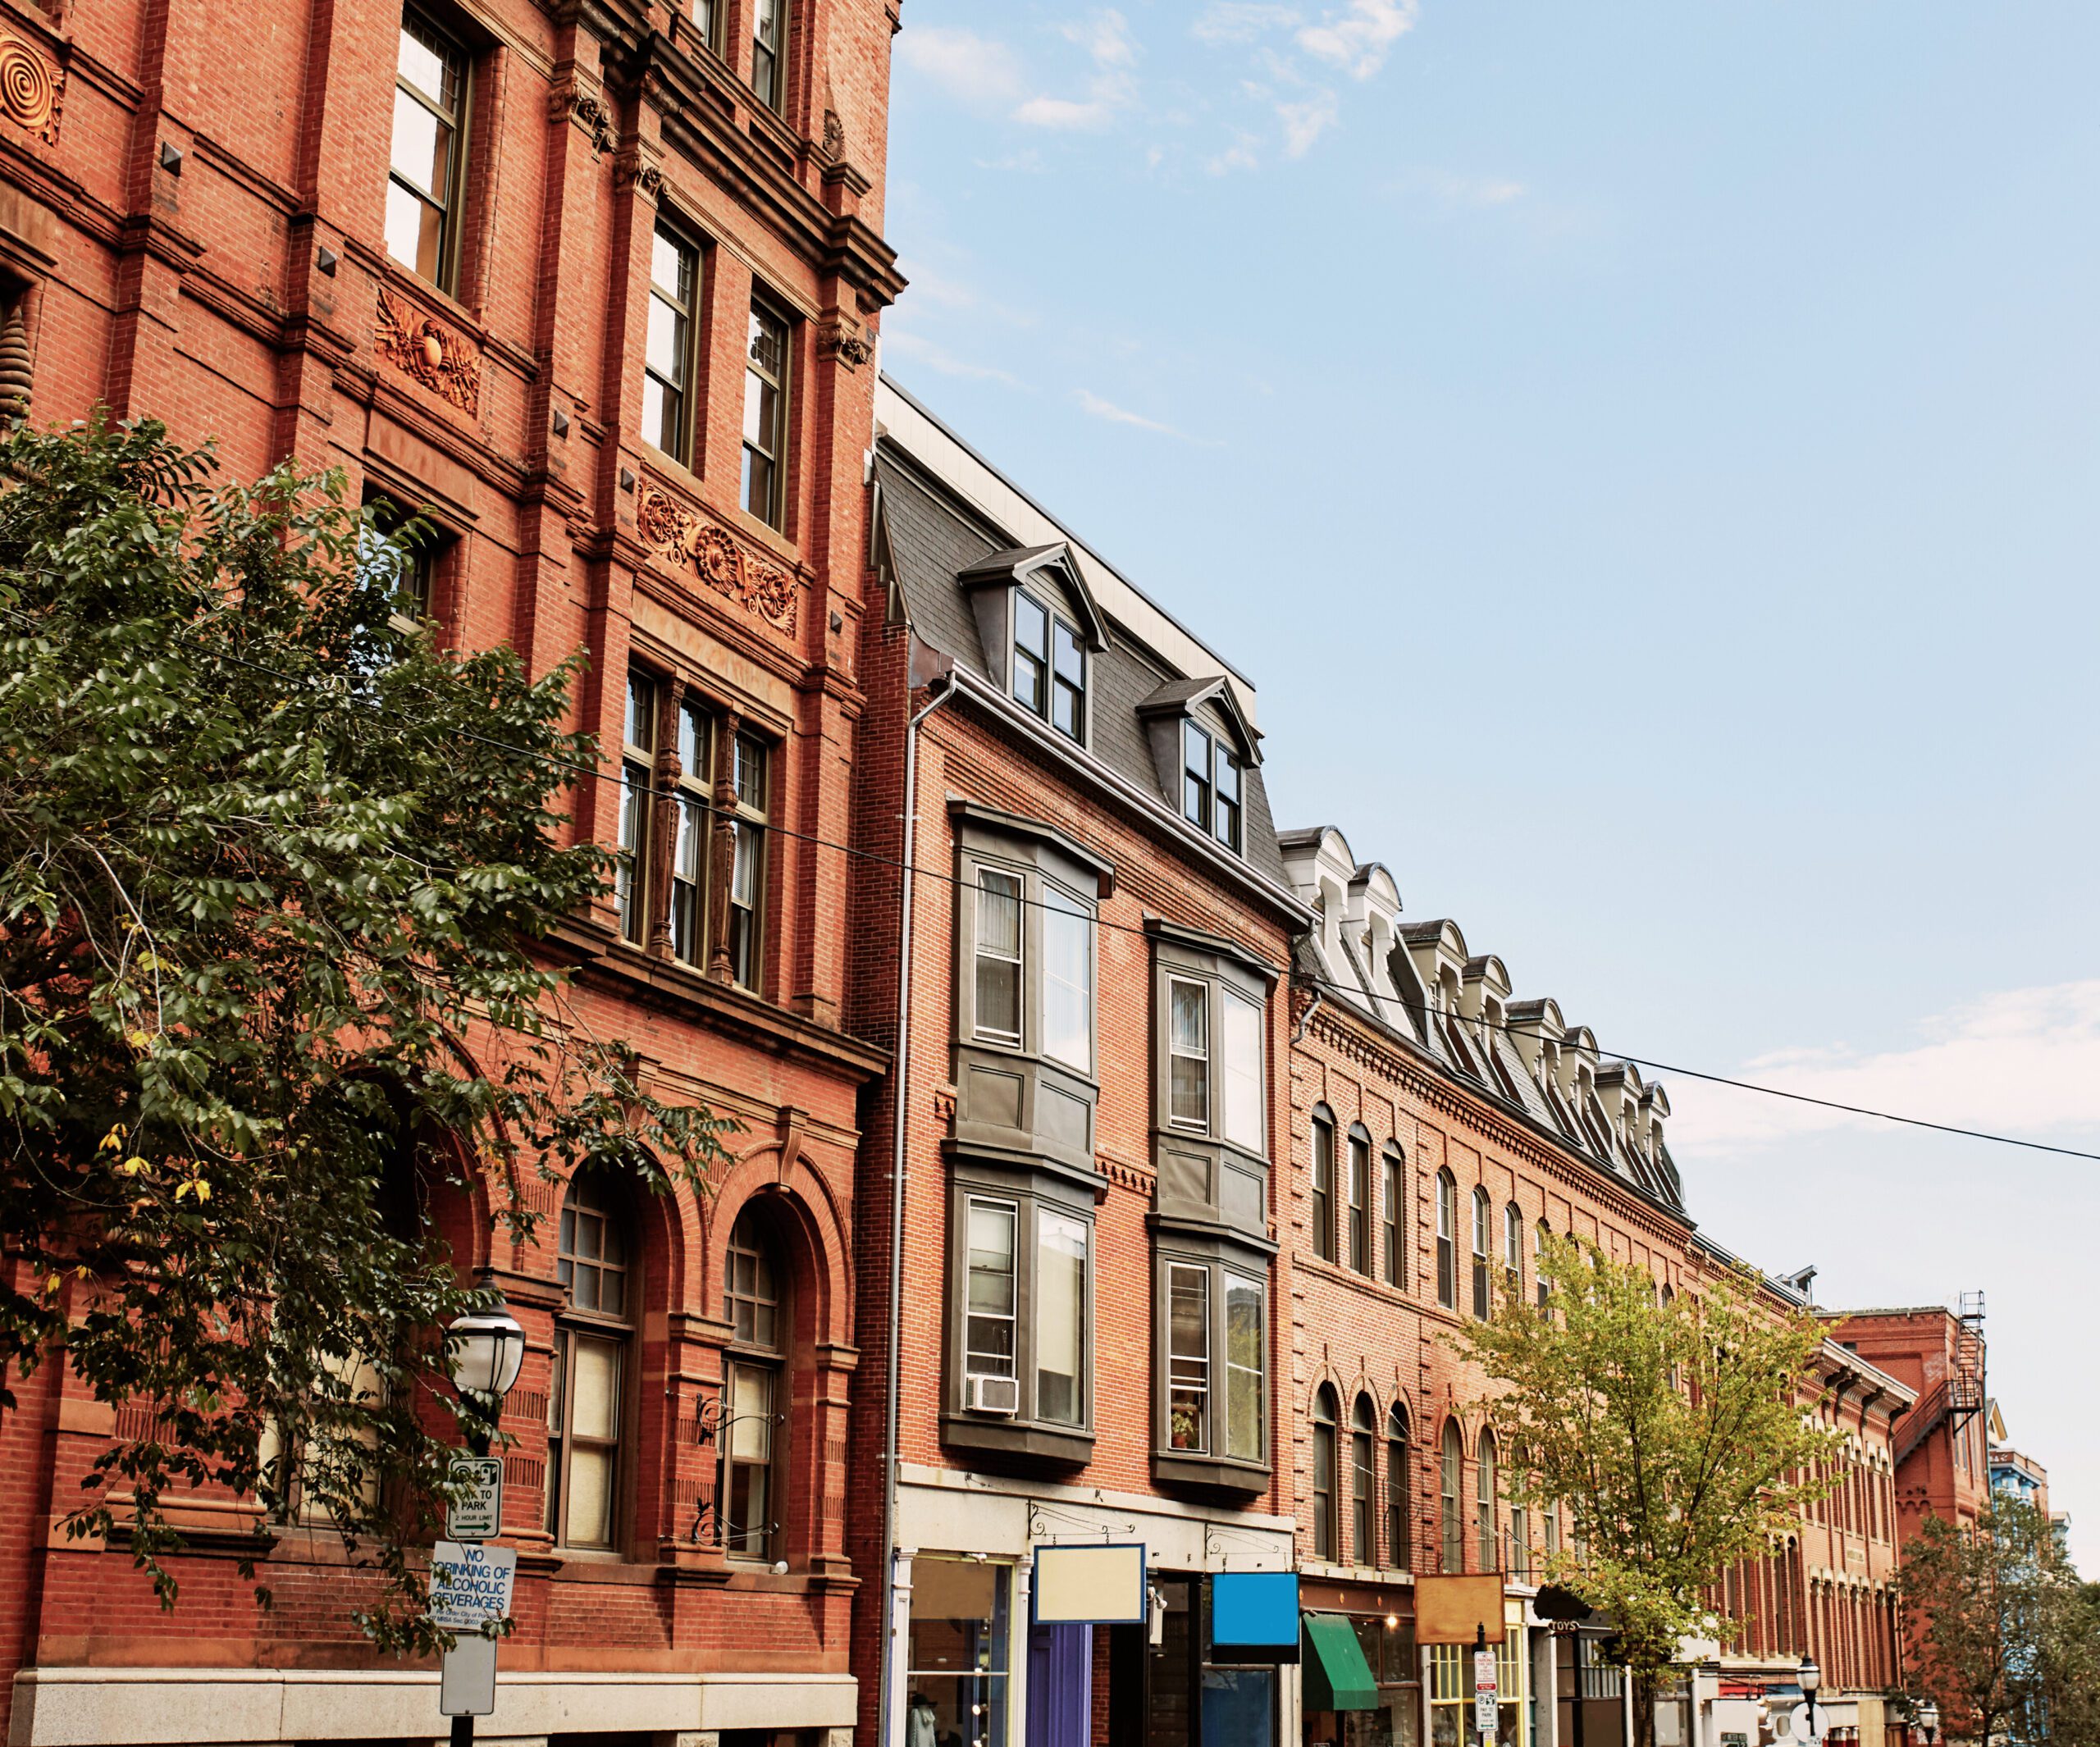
(1323, 1184)
(1512, 1249)
(1487, 1505)
(1326, 1411)
(1389, 1212)
(1447, 1240)
(1540, 1234)
(586, 1400)
(1364, 1479)
(754, 1395)
(1520, 1522)
(1483, 1223)
(1399, 1541)
(1453, 1466)
(1359, 1200)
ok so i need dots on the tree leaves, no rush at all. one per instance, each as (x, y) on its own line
(280, 886)
(1672, 1431)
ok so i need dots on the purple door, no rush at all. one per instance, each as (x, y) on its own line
(1060, 1686)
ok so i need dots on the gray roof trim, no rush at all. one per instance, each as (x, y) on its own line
(1517, 1114)
(948, 430)
(1020, 825)
(1216, 860)
(1016, 564)
(1203, 940)
(1178, 697)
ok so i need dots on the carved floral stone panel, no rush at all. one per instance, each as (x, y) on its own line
(686, 540)
(423, 347)
(31, 88)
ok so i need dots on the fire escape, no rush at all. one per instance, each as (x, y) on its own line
(1958, 1397)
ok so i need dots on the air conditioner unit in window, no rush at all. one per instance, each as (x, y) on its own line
(999, 1397)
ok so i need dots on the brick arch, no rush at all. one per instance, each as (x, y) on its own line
(807, 1220)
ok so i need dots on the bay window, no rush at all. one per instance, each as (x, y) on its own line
(1212, 1310)
(1024, 1318)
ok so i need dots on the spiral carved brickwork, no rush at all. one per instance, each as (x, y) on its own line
(30, 89)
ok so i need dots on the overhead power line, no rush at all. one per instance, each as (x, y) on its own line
(611, 766)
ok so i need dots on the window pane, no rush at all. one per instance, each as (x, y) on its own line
(1243, 1072)
(1188, 1362)
(422, 146)
(751, 1410)
(998, 984)
(989, 1339)
(1246, 1398)
(590, 1497)
(595, 1389)
(1031, 626)
(1070, 661)
(415, 231)
(1065, 709)
(670, 266)
(1059, 1318)
(1195, 751)
(423, 61)
(749, 774)
(1067, 980)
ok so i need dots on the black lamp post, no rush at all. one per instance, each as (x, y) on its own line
(486, 1349)
(1811, 1679)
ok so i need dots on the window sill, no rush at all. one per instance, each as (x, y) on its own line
(1066, 1445)
(1219, 1473)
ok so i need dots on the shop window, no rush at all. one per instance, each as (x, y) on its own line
(754, 1392)
(1363, 1482)
(1450, 1471)
(428, 165)
(1399, 1549)
(956, 1654)
(1447, 1240)
(586, 1402)
(1325, 1534)
(1392, 1183)
(1451, 1692)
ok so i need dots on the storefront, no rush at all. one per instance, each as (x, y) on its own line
(1011, 1642)
(1382, 1706)
(1451, 1689)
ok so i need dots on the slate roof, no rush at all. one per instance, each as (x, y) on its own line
(935, 539)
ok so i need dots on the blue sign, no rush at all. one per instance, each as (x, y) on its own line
(1254, 1615)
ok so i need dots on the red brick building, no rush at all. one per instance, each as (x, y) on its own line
(1438, 1127)
(1943, 1449)
(594, 285)
(1093, 1074)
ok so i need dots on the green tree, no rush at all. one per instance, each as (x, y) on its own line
(279, 885)
(1674, 1432)
(2007, 1641)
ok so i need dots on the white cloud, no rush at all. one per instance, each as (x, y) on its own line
(1304, 122)
(914, 349)
(1239, 155)
(1116, 415)
(1064, 114)
(1451, 190)
(970, 68)
(1358, 38)
(2023, 1062)
(1106, 36)
(1241, 21)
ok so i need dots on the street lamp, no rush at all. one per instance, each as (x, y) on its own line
(1928, 1720)
(487, 1350)
(1811, 1679)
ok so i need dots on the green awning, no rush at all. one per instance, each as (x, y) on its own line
(1337, 1678)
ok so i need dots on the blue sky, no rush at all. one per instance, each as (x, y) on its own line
(1646, 457)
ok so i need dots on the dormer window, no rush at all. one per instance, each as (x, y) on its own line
(1049, 667)
(1211, 784)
